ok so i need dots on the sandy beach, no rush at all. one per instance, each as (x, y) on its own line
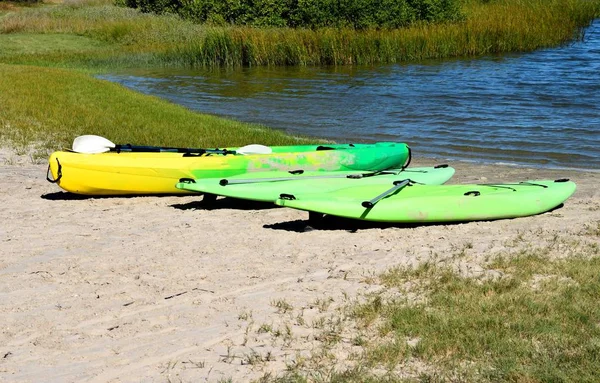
(158, 289)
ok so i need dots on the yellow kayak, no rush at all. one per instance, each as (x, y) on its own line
(142, 173)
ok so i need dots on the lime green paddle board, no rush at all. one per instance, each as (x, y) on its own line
(267, 186)
(404, 201)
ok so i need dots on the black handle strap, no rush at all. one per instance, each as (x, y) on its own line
(409, 158)
(59, 173)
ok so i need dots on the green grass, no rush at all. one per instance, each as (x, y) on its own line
(45, 44)
(138, 39)
(511, 26)
(50, 107)
(130, 38)
(538, 323)
(504, 329)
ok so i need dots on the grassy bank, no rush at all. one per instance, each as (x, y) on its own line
(490, 28)
(125, 37)
(49, 107)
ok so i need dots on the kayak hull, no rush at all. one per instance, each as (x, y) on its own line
(441, 203)
(267, 186)
(144, 173)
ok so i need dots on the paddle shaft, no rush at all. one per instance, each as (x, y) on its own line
(134, 148)
(92, 144)
(369, 204)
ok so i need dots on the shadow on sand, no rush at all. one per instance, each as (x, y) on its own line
(209, 202)
(68, 196)
(321, 222)
(329, 222)
(64, 196)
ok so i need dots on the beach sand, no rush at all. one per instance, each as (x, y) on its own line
(157, 289)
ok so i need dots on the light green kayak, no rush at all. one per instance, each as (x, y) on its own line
(404, 201)
(267, 186)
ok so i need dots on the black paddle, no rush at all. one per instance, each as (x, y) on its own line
(91, 144)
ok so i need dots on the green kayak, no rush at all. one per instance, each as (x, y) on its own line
(267, 186)
(404, 201)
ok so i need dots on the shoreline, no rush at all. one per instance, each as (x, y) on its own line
(157, 288)
(8, 156)
(510, 164)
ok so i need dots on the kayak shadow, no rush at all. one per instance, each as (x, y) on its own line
(225, 203)
(330, 223)
(68, 196)
(65, 196)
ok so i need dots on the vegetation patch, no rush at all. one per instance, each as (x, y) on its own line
(52, 106)
(489, 28)
(538, 322)
(357, 14)
(35, 44)
(139, 39)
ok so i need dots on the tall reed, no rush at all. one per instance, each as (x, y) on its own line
(504, 26)
(136, 39)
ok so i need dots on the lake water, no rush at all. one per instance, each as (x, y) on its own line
(540, 108)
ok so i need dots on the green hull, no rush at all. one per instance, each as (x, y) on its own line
(267, 186)
(377, 156)
(447, 203)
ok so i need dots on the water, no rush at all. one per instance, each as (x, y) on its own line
(540, 108)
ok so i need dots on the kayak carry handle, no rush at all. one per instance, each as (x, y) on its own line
(58, 173)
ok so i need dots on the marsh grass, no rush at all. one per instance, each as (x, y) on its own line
(511, 26)
(52, 106)
(46, 108)
(490, 27)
